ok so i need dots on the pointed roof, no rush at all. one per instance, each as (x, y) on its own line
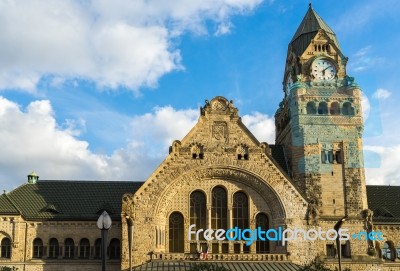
(307, 30)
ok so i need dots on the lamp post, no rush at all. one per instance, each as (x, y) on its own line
(337, 227)
(104, 224)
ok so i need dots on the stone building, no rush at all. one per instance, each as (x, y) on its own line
(219, 176)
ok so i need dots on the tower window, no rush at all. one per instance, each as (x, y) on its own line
(347, 109)
(335, 108)
(311, 108)
(322, 108)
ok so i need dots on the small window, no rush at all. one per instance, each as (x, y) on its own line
(97, 249)
(330, 251)
(5, 248)
(84, 248)
(347, 110)
(311, 108)
(323, 108)
(37, 248)
(323, 157)
(338, 157)
(69, 248)
(54, 248)
(115, 249)
(197, 152)
(335, 108)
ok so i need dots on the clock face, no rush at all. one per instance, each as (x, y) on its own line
(323, 69)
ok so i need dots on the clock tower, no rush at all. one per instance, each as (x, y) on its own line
(319, 122)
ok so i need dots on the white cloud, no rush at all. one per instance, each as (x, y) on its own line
(383, 169)
(364, 59)
(365, 106)
(111, 43)
(31, 139)
(381, 94)
(262, 126)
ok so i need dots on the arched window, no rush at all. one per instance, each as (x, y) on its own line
(347, 110)
(240, 210)
(263, 223)
(335, 108)
(176, 232)
(398, 251)
(69, 248)
(5, 248)
(388, 251)
(37, 248)
(198, 210)
(323, 108)
(97, 249)
(219, 209)
(242, 153)
(115, 249)
(84, 248)
(311, 108)
(54, 248)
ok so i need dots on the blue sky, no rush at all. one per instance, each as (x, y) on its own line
(99, 89)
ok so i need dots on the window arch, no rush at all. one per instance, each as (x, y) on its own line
(198, 210)
(176, 232)
(262, 222)
(54, 248)
(37, 248)
(323, 108)
(115, 249)
(84, 248)
(388, 251)
(5, 248)
(97, 248)
(347, 109)
(398, 251)
(219, 209)
(240, 210)
(311, 108)
(335, 108)
(69, 248)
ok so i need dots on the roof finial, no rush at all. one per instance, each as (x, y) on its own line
(310, 5)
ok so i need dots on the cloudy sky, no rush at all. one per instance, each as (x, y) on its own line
(98, 90)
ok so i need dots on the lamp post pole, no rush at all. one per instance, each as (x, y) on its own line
(104, 224)
(337, 227)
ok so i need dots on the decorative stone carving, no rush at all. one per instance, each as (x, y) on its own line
(367, 215)
(220, 131)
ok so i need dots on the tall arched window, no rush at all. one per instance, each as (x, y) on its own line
(262, 222)
(37, 248)
(5, 248)
(198, 210)
(54, 248)
(219, 208)
(335, 108)
(311, 108)
(84, 248)
(69, 248)
(240, 210)
(347, 110)
(97, 248)
(176, 232)
(388, 251)
(323, 108)
(115, 249)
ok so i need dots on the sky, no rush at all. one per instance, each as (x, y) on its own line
(98, 90)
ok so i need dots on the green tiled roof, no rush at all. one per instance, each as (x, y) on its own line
(384, 201)
(6, 206)
(67, 200)
(307, 30)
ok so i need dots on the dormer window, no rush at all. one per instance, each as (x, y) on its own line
(242, 153)
(197, 152)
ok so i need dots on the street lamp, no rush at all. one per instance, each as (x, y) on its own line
(104, 224)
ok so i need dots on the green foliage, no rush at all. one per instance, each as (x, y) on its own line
(318, 266)
(207, 267)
